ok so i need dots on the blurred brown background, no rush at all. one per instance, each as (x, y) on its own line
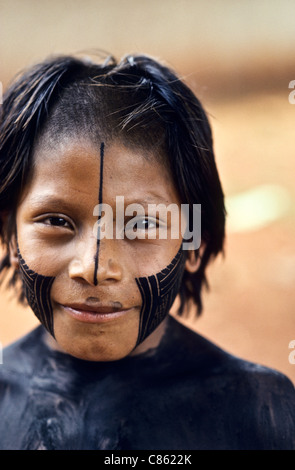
(239, 58)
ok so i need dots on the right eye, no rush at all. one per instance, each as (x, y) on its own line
(57, 222)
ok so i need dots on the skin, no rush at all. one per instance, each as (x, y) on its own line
(55, 237)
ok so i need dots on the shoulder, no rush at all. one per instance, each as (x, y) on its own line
(263, 401)
(256, 402)
(201, 356)
(22, 356)
(200, 353)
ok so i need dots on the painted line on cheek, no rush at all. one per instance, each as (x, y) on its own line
(37, 291)
(96, 257)
(158, 293)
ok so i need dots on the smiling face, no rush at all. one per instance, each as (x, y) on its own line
(95, 296)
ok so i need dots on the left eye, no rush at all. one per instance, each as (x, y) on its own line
(145, 224)
(57, 222)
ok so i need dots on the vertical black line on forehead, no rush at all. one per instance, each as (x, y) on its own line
(96, 258)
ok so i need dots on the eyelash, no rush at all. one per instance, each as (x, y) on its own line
(64, 223)
(145, 219)
(52, 218)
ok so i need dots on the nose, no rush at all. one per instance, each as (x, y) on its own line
(95, 263)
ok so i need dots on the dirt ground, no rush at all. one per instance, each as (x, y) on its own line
(249, 309)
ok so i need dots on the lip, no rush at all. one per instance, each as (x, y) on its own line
(99, 314)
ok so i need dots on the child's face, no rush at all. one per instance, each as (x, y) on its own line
(56, 237)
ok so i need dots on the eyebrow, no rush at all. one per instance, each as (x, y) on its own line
(57, 203)
(53, 201)
(155, 199)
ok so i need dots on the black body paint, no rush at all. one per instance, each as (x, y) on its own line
(158, 293)
(96, 258)
(187, 394)
(37, 291)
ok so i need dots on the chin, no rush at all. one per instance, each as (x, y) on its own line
(95, 342)
(94, 353)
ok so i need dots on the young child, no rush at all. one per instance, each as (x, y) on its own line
(89, 153)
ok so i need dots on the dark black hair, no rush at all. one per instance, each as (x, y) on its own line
(136, 100)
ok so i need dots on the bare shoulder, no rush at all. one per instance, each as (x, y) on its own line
(198, 354)
(246, 404)
(20, 357)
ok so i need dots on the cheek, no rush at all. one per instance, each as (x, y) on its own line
(148, 259)
(42, 257)
(37, 290)
(158, 293)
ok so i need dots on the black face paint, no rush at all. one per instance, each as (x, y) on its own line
(96, 257)
(158, 293)
(37, 290)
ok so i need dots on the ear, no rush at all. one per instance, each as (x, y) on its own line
(194, 258)
(14, 261)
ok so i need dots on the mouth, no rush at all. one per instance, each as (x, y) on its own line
(102, 313)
